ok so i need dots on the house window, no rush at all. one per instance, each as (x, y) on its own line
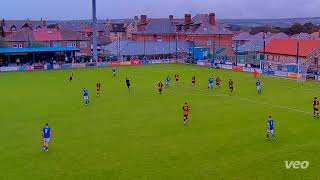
(159, 38)
(209, 43)
(56, 45)
(13, 29)
(69, 45)
(74, 45)
(20, 45)
(15, 45)
(83, 45)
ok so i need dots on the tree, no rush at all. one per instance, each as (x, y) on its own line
(310, 28)
(296, 29)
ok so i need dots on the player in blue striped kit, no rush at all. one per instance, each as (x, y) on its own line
(168, 79)
(270, 129)
(46, 135)
(86, 96)
(210, 82)
(259, 88)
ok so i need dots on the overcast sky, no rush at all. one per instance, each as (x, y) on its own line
(81, 9)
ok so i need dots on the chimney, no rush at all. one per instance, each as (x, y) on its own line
(143, 19)
(171, 17)
(212, 19)
(187, 18)
(57, 27)
(3, 22)
(136, 18)
(43, 22)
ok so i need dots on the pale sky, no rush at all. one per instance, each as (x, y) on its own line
(81, 9)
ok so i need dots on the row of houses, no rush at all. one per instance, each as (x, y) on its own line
(159, 37)
(246, 43)
(203, 30)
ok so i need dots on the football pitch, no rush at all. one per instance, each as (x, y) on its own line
(140, 134)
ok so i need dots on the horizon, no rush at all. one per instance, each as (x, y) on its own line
(98, 18)
(242, 9)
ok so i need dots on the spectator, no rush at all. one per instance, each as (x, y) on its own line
(18, 61)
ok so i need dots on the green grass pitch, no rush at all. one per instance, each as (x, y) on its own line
(140, 134)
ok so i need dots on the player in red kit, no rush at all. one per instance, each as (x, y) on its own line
(186, 110)
(255, 73)
(193, 80)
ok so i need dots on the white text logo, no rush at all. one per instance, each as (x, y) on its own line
(297, 164)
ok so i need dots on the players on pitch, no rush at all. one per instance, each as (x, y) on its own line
(46, 131)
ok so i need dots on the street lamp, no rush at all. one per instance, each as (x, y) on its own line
(94, 31)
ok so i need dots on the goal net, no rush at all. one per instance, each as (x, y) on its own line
(296, 71)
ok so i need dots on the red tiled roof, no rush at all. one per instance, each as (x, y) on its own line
(44, 34)
(316, 35)
(24, 34)
(289, 46)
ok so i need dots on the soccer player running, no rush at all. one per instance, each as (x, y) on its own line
(46, 135)
(259, 88)
(86, 96)
(114, 72)
(231, 85)
(160, 87)
(270, 129)
(218, 82)
(315, 107)
(98, 86)
(255, 73)
(177, 77)
(193, 80)
(128, 83)
(168, 79)
(210, 80)
(186, 110)
(71, 76)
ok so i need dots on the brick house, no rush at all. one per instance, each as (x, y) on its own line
(201, 29)
(8, 27)
(116, 30)
(83, 27)
(286, 51)
(241, 38)
(27, 36)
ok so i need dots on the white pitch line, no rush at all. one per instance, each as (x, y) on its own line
(261, 103)
(239, 98)
(246, 99)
